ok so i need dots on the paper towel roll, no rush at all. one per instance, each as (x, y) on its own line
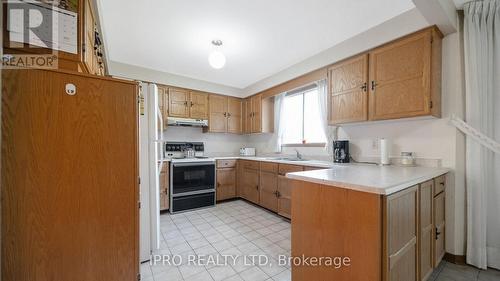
(384, 152)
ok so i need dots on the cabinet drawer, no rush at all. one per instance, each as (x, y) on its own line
(311, 168)
(247, 164)
(439, 184)
(269, 167)
(228, 163)
(288, 168)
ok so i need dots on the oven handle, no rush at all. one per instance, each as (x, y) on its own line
(193, 164)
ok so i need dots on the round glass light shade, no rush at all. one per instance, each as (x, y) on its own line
(217, 59)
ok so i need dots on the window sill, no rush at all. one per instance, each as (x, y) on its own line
(304, 145)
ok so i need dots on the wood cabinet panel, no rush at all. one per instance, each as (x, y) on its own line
(234, 115)
(89, 58)
(283, 169)
(217, 120)
(251, 185)
(439, 184)
(440, 231)
(400, 74)
(269, 167)
(178, 102)
(248, 118)
(226, 183)
(348, 84)
(249, 164)
(164, 187)
(285, 189)
(198, 105)
(401, 236)
(268, 188)
(256, 114)
(331, 221)
(68, 188)
(226, 163)
(163, 103)
(426, 228)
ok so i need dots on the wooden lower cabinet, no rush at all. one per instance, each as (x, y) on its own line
(164, 187)
(250, 182)
(400, 236)
(285, 189)
(426, 229)
(439, 227)
(226, 183)
(268, 190)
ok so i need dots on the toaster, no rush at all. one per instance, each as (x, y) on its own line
(247, 151)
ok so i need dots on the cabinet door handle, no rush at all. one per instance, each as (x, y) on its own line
(192, 104)
(374, 85)
(225, 114)
(257, 187)
(185, 103)
(364, 87)
(437, 233)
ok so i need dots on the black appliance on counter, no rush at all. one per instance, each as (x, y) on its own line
(341, 151)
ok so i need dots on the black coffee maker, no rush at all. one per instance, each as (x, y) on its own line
(341, 151)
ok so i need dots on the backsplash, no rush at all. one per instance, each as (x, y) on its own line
(215, 143)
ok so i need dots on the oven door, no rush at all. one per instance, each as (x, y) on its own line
(190, 178)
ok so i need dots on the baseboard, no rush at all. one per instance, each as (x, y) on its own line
(456, 259)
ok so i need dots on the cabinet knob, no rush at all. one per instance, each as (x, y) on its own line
(364, 87)
(437, 233)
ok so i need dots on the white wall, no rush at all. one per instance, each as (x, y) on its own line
(134, 72)
(215, 143)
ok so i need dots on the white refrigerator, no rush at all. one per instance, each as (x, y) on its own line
(150, 162)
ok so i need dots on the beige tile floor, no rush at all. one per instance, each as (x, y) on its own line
(237, 229)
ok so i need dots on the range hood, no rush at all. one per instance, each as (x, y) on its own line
(187, 122)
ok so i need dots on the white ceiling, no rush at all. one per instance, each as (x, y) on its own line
(261, 37)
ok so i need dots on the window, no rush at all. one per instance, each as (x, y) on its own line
(301, 113)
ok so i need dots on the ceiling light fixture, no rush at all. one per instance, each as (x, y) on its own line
(216, 59)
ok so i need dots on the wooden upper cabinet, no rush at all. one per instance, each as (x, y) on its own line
(225, 114)
(89, 59)
(348, 84)
(405, 77)
(163, 103)
(178, 102)
(234, 113)
(198, 105)
(217, 120)
(256, 114)
(247, 118)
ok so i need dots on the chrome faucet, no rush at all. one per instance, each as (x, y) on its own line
(299, 156)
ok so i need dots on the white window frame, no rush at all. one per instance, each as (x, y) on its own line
(302, 91)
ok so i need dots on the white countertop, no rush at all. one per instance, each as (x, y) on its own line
(383, 180)
(310, 163)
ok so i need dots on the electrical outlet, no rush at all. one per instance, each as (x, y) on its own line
(375, 144)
